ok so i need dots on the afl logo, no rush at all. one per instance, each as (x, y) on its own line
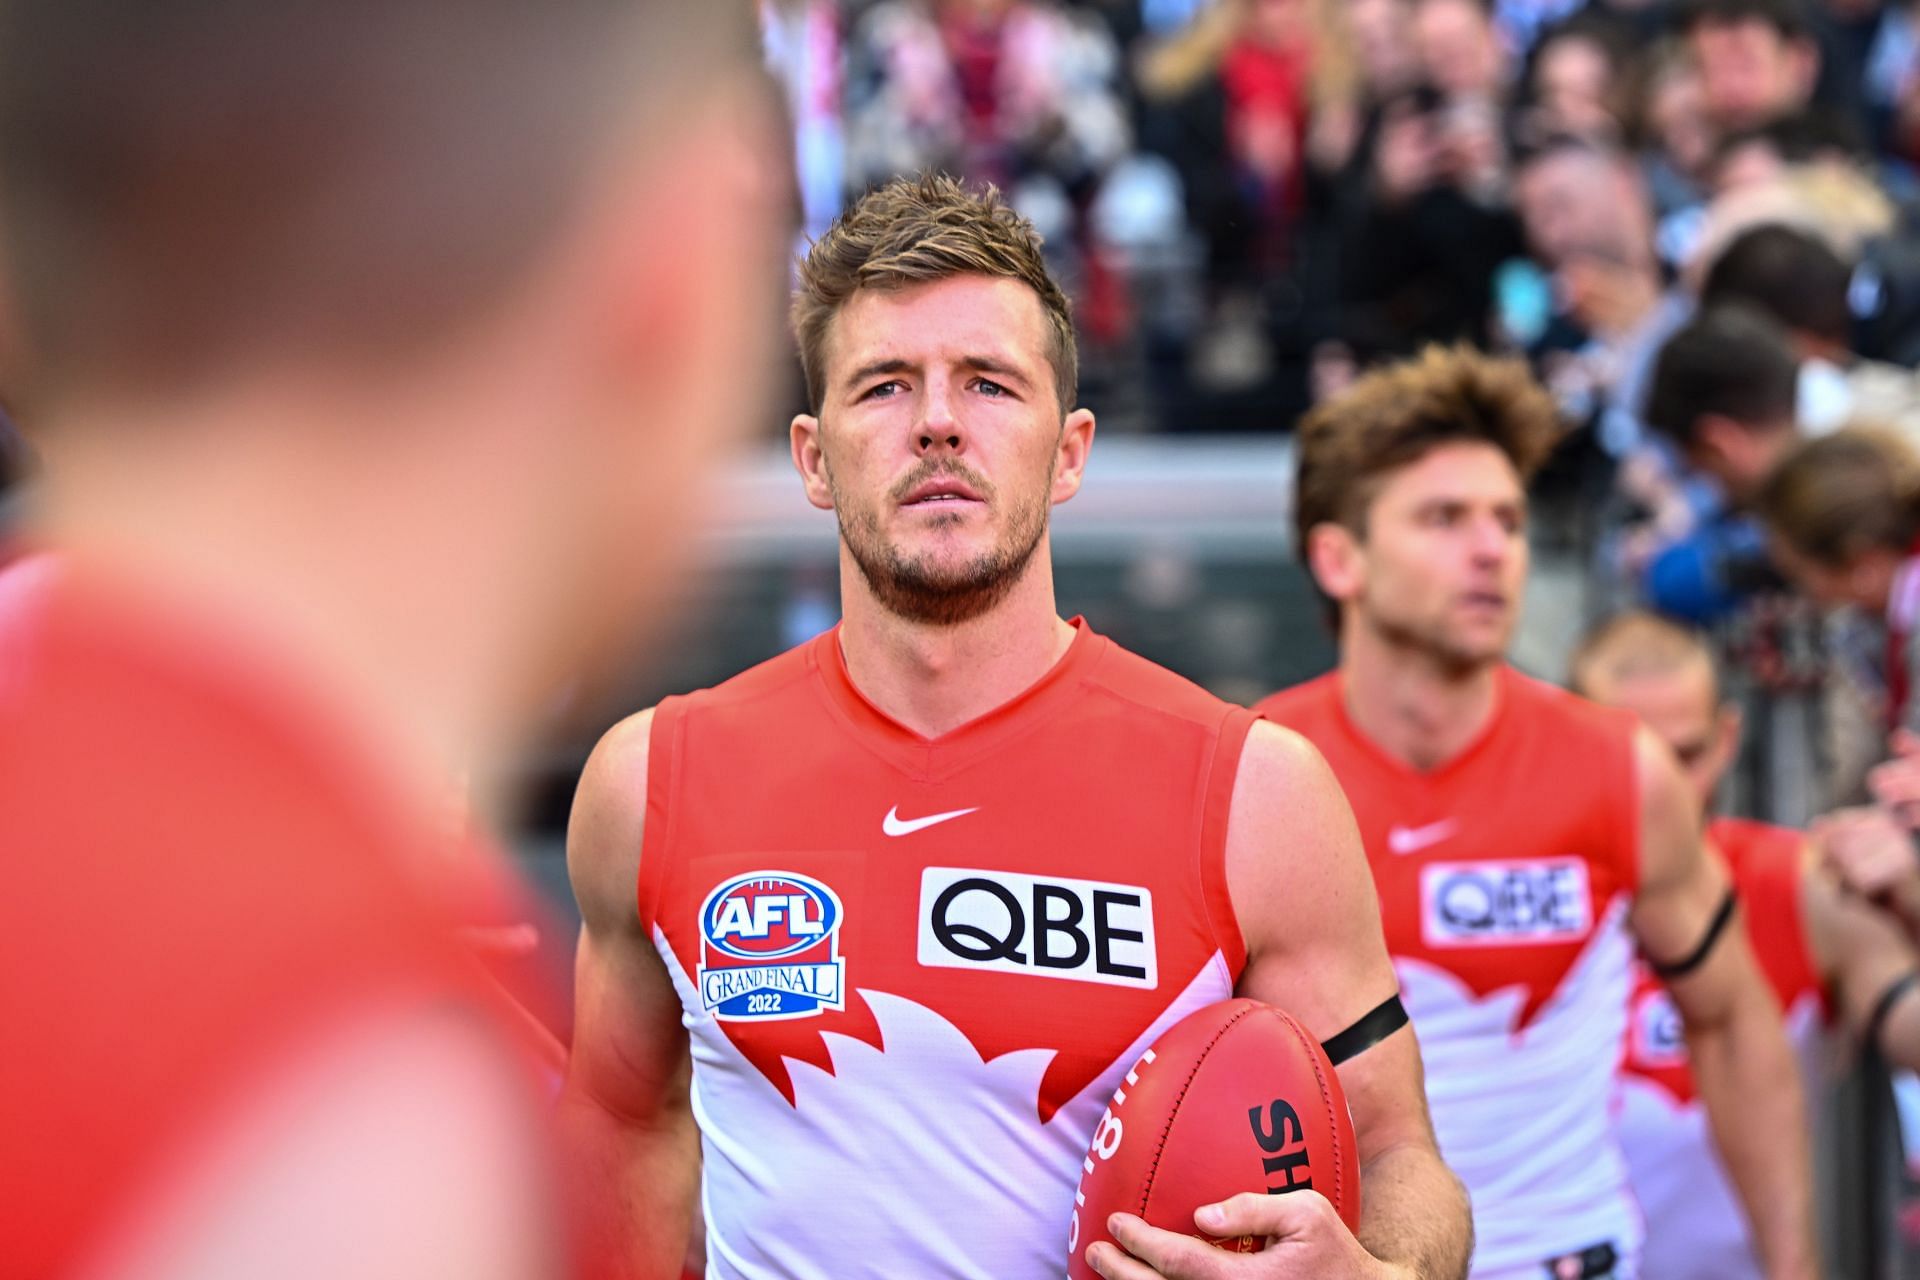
(770, 947)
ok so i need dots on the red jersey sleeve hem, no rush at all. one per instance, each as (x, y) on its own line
(663, 775)
(1216, 805)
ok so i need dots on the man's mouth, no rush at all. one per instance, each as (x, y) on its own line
(941, 491)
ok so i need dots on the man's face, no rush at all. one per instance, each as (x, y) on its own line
(1458, 50)
(1576, 204)
(1573, 81)
(1679, 705)
(1444, 557)
(1740, 455)
(1749, 72)
(940, 443)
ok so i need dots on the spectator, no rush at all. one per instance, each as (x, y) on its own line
(1765, 152)
(1844, 514)
(1578, 81)
(1758, 59)
(1000, 91)
(1723, 391)
(1422, 219)
(1677, 149)
(1797, 278)
(1589, 221)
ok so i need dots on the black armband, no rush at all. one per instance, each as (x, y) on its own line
(1698, 956)
(1883, 1009)
(1374, 1026)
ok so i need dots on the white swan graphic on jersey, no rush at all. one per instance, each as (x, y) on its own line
(1521, 1111)
(919, 1158)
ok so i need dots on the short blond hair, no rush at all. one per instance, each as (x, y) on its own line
(916, 230)
(1633, 644)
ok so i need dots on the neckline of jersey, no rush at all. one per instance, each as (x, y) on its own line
(918, 752)
(1502, 700)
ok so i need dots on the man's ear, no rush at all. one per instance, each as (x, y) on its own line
(1336, 560)
(803, 435)
(1070, 459)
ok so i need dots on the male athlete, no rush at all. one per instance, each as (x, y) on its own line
(372, 351)
(873, 930)
(1827, 954)
(1522, 841)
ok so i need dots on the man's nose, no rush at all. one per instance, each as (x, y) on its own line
(939, 426)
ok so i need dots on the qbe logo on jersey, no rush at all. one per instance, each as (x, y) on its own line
(770, 948)
(1082, 930)
(1518, 902)
(1659, 1037)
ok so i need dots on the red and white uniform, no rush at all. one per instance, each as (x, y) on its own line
(914, 970)
(200, 882)
(1695, 1229)
(1504, 878)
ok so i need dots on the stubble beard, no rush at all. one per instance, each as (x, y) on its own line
(921, 590)
(1431, 644)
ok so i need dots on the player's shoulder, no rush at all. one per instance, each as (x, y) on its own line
(1564, 716)
(1146, 684)
(1275, 753)
(1303, 704)
(750, 699)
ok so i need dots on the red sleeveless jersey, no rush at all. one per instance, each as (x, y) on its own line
(914, 969)
(199, 883)
(1695, 1227)
(1504, 878)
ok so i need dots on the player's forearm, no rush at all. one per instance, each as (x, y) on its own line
(1751, 1087)
(633, 1185)
(1414, 1214)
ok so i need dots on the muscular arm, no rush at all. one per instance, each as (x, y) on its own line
(624, 1116)
(1861, 952)
(1741, 1061)
(1305, 901)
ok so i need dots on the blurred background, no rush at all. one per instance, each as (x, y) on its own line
(1249, 201)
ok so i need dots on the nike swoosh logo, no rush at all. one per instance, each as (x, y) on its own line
(894, 825)
(1405, 840)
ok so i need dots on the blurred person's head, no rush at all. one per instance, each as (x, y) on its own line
(1382, 45)
(1723, 390)
(1410, 502)
(1664, 673)
(1578, 198)
(1843, 512)
(1793, 276)
(1766, 152)
(1459, 48)
(941, 372)
(1576, 74)
(1276, 24)
(1757, 58)
(1840, 203)
(1674, 116)
(428, 316)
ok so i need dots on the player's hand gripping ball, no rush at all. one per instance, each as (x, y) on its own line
(1234, 1097)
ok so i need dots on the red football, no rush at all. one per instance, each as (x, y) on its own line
(1234, 1097)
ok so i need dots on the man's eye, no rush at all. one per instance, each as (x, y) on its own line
(991, 388)
(890, 387)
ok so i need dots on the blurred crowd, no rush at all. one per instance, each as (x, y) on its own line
(1251, 199)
